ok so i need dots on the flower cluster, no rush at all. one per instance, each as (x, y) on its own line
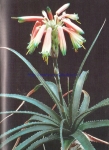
(53, 27)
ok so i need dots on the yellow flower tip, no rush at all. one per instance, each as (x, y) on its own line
(76, 50)
(78, 21)
(14, 17)
(83, 46)
(27, 53)
(45, 58)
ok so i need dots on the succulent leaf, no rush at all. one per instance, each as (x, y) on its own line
(61, 134)
(42, 141)
(35, 72)
(35, 102)
(78, 120)
(34, 138)
(75, 102)
(78, 135)
(26, 131)
(94, 124)
(85, 103)
(17, 129)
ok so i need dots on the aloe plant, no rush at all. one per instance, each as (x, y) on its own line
(68, 125)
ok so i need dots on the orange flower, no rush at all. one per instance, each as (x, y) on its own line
(53, 27)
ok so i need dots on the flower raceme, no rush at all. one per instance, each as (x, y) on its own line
(53, 27)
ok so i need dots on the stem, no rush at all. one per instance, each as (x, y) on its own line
(68, 88)
(56, 72)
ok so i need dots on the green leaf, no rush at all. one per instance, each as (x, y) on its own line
(19, 112)
(37, 87)
(35, 102)
(85, 103)
(43, 118)
(17, 129)
(78, 135)
(67, 143)
(78, 120)
(51, 85)
(94, 124)
(36, 116)
(44, 129)
(42, 141)
(83, 62)
(39, 77)
(89, 50)
(38, 125)
(74, 105)
(34, 138)
(61, 136)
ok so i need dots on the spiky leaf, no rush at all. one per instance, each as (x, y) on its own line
(39, 77)
(35, 102)
(85, 103)
(94, 124)
(74, 106)
(27, 131)
(34, 138)
(78, 120)
(78, 135)
(42, 141)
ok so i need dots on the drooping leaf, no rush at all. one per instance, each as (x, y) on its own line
(42, 141)
(38, 126)
(27, 131)
(34, 138)
(35, 102)
(39, 77)
(78, 135)
(94, 124)
(36, 116)
(17, 129)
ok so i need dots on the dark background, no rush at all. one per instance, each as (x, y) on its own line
(15, 75)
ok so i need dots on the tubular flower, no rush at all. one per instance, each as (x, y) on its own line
(52, 28)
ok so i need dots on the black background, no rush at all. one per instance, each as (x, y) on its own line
(18, 79)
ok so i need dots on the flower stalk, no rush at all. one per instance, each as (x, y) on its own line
(57, 77)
